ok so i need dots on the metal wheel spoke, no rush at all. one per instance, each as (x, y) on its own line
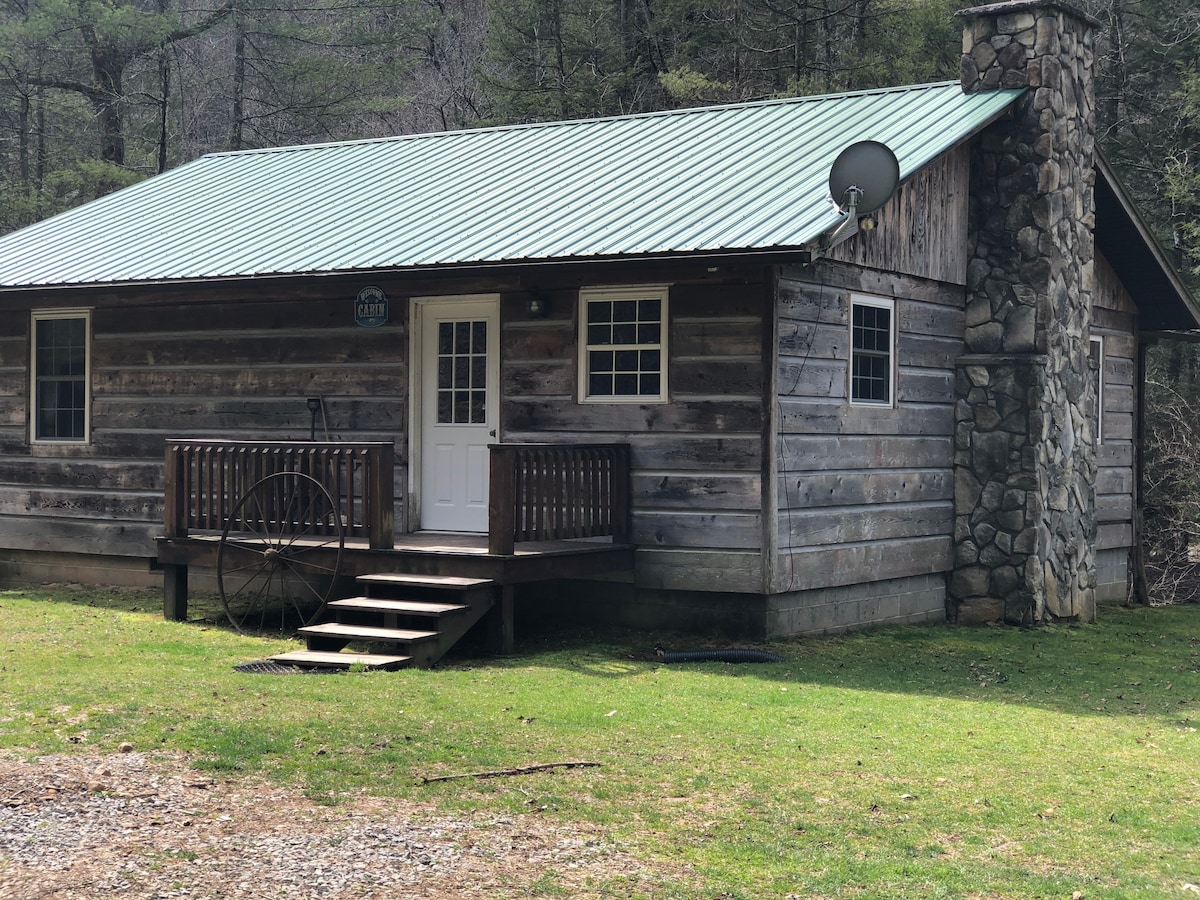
(315, 567)
(255, 595)
(257, 564)
(307, 523)
(295, 550)
(312, 590)
(247, 544)
(264, 533)
(272, 575)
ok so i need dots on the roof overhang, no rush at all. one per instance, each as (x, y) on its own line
(1164, 303)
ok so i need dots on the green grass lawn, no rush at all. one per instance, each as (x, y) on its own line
(903, 762)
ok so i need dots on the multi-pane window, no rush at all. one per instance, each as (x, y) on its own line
(624, 340)
(462, 373)
(60, 376)
(1096, 352)
(872, 342)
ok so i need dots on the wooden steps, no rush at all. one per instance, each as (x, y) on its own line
(366, 633)
(416, 618)
(316, 659)
(399, 607)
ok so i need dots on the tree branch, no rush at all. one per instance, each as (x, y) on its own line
(520, 770)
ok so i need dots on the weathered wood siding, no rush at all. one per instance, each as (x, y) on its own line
(240, 362)
(1114, 317)
(865, 494)
(922, 230)
(697, 460)
(222, 362)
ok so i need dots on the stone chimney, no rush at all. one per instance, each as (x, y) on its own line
(1025, 454)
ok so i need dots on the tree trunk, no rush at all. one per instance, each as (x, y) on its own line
(108, 70)
(237, 114)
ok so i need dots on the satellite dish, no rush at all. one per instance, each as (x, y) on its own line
(863, 177)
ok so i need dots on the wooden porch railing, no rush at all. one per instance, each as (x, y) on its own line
(206, 478)
(546, 492)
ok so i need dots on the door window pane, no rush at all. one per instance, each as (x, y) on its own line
(462, 373)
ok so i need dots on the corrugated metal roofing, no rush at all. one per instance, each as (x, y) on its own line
(746, 177)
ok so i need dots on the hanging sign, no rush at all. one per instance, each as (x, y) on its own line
(370, 307)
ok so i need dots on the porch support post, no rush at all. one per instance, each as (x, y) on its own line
(175, 593)
(175, 508)
(380, 493)
(501, 634)
(501, 510)
(622, 497)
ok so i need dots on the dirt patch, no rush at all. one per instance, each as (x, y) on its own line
(146, 826)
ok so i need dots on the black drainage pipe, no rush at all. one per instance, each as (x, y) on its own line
(730, 655)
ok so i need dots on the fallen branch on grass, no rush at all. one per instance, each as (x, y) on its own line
(520, 770)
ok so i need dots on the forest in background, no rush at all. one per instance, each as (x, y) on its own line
(98, 94)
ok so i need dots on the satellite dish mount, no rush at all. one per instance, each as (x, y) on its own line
(862, 178)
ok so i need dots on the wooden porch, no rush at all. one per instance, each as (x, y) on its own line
(325, 510)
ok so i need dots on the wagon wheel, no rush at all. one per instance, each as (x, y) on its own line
(280, 553)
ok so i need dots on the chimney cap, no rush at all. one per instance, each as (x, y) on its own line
(1013, 6)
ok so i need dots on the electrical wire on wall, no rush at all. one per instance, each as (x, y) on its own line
(779, 450)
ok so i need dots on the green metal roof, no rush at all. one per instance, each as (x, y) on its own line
(747, 177)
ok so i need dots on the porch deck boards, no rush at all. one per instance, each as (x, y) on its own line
(462, 556)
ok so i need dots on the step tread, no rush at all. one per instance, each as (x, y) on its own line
(444, 582)
(366, 632)
(330, 660)
(403, 607)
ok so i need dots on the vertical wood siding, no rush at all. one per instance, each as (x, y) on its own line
(922, 230)
(864, 493)
(1114, 316)
(697, 460)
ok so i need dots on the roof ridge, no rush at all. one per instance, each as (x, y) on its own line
(561, 123)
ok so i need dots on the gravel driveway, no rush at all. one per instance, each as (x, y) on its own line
(149, 826)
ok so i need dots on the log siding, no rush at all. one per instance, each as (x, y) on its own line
(697, 460)
(171, 362)
(864, 494)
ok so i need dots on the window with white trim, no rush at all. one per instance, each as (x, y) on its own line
(624, 341)
(872, 350)
(1096, 354)
(60, 384)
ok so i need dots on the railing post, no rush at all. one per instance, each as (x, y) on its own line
(622, 505)
(501, 500)
(174, 501)
(379, 493)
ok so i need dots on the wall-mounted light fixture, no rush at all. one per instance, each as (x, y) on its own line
(538, 306)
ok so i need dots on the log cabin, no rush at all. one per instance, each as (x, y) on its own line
(644, 368)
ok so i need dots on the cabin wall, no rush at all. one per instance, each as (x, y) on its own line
(697, 460)
(1114, 317)
(240, 362)
(865, 494)
(216, 362)
(920, 230)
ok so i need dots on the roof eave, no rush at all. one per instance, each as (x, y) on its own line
(1183, 313)
(802, 254)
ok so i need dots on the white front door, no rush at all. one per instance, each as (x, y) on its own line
(460, 374)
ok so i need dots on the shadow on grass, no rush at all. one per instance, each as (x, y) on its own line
(1132, 662)
(204, 610)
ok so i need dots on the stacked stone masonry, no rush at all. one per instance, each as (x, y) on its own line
(1024, 440)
